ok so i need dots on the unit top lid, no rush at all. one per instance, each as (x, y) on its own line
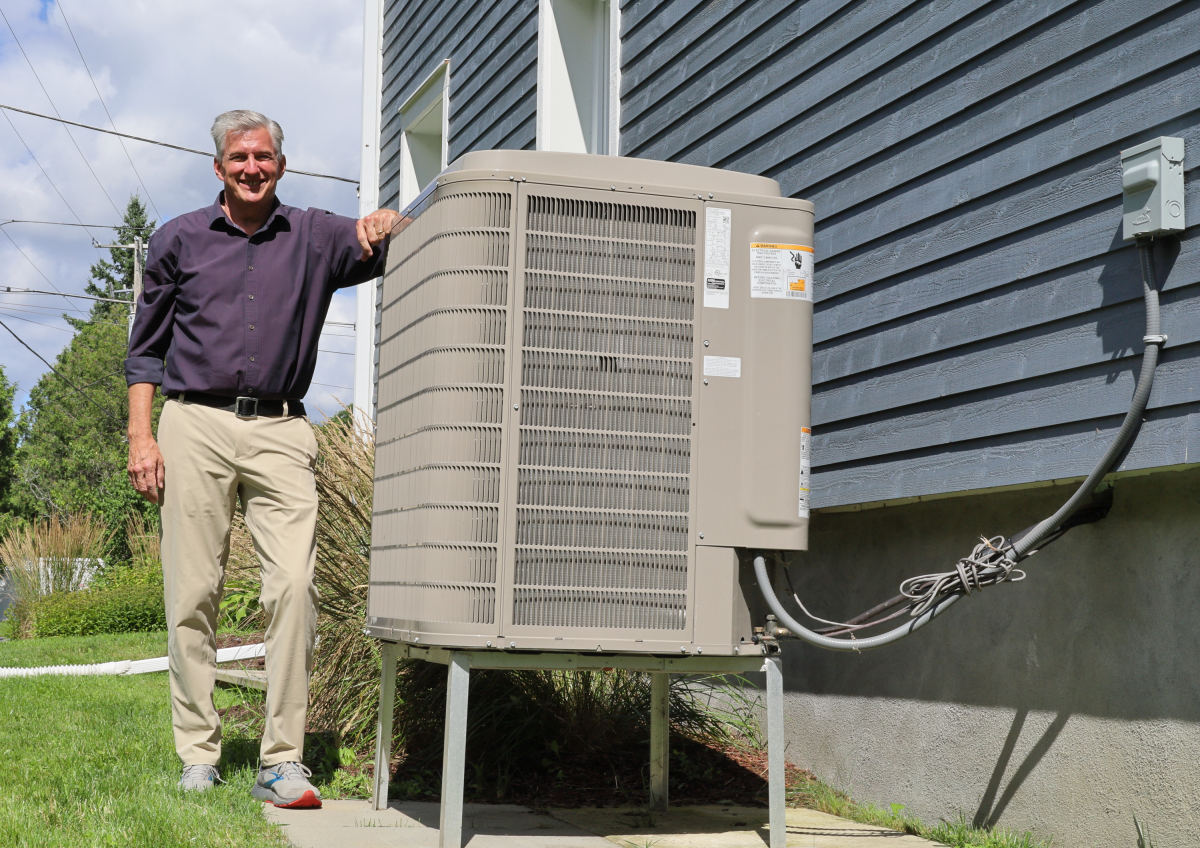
(552, 167)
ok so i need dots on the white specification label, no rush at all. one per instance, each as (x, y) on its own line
(717, 226)
(781, 270)
(805, 467)
(722, 366)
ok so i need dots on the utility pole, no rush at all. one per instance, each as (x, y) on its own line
(136, 291)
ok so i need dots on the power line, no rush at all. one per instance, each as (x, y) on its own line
(338, 352)
(39, 270)
(80, 296)
(55, 108)
(68, 224)
(159, 143)
(88, 397)
(47, 176)
(120, 141)
(331, 386)
(12, 308)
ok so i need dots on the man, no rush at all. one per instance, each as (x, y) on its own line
(235, 297)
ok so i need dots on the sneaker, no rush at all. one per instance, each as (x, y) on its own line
(286, 785)
(199, 778)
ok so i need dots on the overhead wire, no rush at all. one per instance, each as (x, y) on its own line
(39, 270)
(60, 376)
(209, 154)
(104, 105)
(29, 62)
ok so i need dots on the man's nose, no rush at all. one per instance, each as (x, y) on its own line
(252, 166)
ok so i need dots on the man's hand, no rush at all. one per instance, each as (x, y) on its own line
(147, 471)
(374, 228)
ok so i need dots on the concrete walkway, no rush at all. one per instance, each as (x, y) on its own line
(412, 824)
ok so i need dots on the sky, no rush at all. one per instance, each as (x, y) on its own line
(164, 71)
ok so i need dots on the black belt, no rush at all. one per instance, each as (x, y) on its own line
(243, 407)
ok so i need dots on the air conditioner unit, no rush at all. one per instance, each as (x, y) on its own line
(593, 386)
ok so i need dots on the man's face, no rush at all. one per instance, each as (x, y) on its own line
(250, 169)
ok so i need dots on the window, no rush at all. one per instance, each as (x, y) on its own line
(577, 76)
(423, 123)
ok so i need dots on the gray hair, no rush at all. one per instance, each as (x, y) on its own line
(240, 121)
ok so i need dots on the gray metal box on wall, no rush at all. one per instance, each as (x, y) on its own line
(593, 389)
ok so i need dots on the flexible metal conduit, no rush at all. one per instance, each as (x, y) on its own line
(1027, 544)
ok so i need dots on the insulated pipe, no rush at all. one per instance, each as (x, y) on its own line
(1028, 543)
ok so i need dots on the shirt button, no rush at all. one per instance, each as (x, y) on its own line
(252, 359)
(251, 267)
(251, 326)
(252, 297)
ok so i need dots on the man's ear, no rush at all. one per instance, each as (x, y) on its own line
(217, 169)
(282, 167)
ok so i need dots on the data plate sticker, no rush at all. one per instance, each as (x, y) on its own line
(717, 229)
(783, 271)
(722, 366)
(805, 468)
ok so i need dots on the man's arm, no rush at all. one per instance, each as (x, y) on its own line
(148, 344)
(147, 471)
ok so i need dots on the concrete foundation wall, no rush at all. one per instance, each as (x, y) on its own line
(1062, 705)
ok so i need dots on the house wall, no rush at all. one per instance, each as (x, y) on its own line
(492, 48)
(978, 319)
(1064, 704)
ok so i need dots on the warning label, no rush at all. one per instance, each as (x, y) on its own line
(717, 227)
(805, 467)
(781, 270)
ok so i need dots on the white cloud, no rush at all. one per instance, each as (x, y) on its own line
(165, 71)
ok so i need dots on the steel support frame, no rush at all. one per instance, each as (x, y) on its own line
(458, 668)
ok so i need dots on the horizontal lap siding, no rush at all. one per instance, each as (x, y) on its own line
(979, 318)
(492, 48)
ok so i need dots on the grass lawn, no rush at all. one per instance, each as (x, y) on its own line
(73, 650)
(89, 761)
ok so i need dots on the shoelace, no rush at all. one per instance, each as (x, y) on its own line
(201, 772)
(290, 771)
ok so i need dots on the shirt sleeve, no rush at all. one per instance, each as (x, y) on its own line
(347, 268)
(155, 319)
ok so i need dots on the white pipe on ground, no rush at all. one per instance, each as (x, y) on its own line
(239, 652)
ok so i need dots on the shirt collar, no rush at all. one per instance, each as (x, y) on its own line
(217, 214)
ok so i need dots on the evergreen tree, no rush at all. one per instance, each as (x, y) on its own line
(73, 449)
(8, 448)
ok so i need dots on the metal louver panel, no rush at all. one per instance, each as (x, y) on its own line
(443, 331)
(604, 459)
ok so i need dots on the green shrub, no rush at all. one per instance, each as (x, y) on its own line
(129, 609)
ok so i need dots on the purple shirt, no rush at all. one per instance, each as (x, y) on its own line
(240, 315)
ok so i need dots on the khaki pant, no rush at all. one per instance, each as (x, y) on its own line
(211, 455)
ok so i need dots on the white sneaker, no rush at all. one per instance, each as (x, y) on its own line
(286, 785)
(199, 778)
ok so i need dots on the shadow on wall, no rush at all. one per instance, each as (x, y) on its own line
(991, 807)
(1103, 625)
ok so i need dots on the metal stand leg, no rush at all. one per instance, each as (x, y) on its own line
(775, 752)
(383, 727)
(660, 734)
(454, 757)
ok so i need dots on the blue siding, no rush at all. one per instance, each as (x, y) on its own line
(492, 48)
(978, 316)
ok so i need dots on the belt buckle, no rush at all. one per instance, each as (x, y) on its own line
(246, 407)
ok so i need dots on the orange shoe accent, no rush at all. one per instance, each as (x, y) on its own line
(307, 801)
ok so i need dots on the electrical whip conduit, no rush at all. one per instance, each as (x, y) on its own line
(992, 561)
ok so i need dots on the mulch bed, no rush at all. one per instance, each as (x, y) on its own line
(700, 773)
(233, 640)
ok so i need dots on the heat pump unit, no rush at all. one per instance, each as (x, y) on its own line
(592, 395)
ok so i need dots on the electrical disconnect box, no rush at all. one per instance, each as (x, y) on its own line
(1152, 183)
(593, 390)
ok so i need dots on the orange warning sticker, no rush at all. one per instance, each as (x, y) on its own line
(781, 271)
